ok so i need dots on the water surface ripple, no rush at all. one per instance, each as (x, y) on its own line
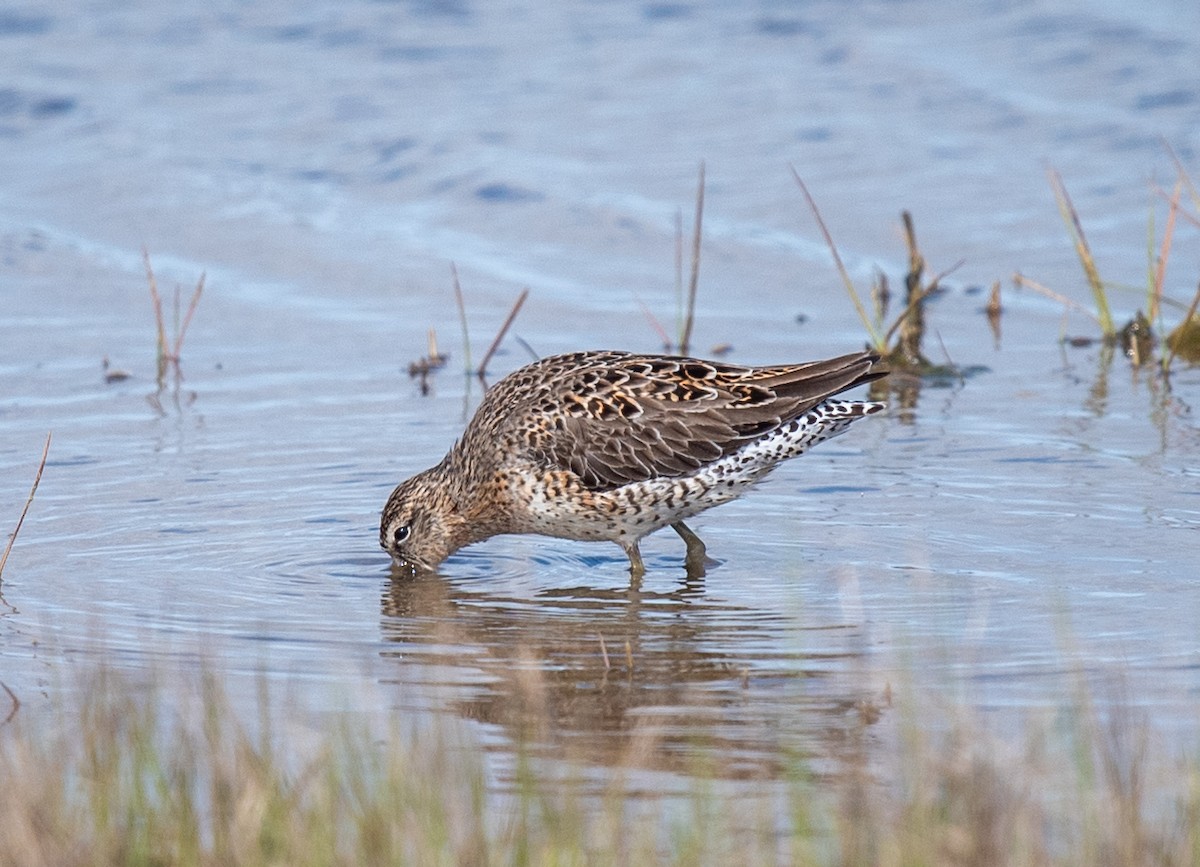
(989, 541)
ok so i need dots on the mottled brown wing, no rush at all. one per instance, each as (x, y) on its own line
(636, 417)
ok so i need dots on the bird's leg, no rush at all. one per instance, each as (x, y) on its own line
(636, 567)
(695, 547)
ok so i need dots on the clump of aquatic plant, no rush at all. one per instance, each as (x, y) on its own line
(169, 351)
(1184, 339)
(1141, 337)
(901, 341)
(434, 360)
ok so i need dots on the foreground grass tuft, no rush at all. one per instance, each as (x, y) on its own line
(153, 776)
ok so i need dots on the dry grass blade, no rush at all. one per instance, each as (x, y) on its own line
(950, 365)
(1071, 218)
(156, 300)
(28, 502)
(685, 337)
(912, 305)
(678, 282)
(512, 314)
(1189, 218)
(187, 319)
(533, 354)
(656, 325)
(1164, 253)
(169, 354)
(877, 341)
(942, 275)
(1183, 175)
(1021, 280)
(462, 318)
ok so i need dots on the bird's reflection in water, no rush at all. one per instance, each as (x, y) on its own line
(666, 679)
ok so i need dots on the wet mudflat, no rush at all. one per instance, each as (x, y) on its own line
(993, 544)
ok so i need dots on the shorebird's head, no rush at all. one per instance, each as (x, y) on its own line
(421, 525)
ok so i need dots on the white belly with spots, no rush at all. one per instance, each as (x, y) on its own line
(638, 509)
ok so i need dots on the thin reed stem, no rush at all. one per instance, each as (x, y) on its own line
(918, 296)
(667, 345)
(1183, 175)
(1071, 218)
(1187, 218)
(1071, 304)
(156, 300)
(1164, 253)
(524, 344)
(877, 341)
(685, 337)
(512, 314)
(656, 325)
(168, 354)
(187, 318)
(462, 318)
(28, 502)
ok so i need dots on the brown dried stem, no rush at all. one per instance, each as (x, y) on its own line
(28, 501)
(667, 344)
(1071, 218)
(156, 300)
(1164, 253)
(656, 325)
(1021, 280)
(512, 314)
(462, 318)
(169, 355)
(685, 337)
(877, 340)
(1184, 176)
(187, 319)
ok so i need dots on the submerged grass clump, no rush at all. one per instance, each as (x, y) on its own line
(423, 367)
(1142, 337)
(126, 774)
(900, 342)
(168, 351)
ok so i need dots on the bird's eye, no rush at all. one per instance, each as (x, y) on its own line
(400, 534)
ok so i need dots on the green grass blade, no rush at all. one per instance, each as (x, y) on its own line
(1071, 218)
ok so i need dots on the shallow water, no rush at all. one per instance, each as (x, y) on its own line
(324, 165)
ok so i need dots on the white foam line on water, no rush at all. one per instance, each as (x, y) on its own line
(271, 294)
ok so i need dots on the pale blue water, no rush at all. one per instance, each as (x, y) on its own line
(325, 163)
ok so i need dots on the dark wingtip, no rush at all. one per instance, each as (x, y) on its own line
(876, 367)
